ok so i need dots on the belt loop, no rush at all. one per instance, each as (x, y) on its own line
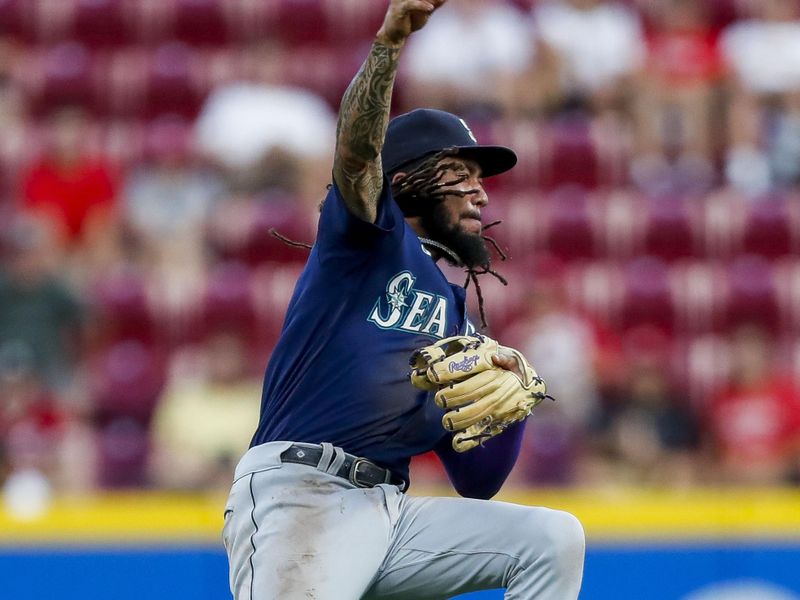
(327, 454)
(338, 461)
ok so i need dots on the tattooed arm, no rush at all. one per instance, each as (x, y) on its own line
(364, 113)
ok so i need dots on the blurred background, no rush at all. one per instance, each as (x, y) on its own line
(652, 225)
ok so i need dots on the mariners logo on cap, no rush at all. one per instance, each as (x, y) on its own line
(469, 131)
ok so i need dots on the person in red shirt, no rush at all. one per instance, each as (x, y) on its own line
(74, 190)
(754, 425)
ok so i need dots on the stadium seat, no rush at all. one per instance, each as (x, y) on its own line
(569, 155)
(170, 88)
(570, 233)
(670, 234)
(201, 22)
(752, 296)
(17, 19)
(288, 218)
(768, 230)
(101, 23)
(272, 288)
(127, 379)
(227, 301)
(122, 308)
(67, 71)
(168, 136)
(648, 297)
(123, 450)
(302, 22)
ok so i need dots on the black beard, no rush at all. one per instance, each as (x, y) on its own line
(469, 247)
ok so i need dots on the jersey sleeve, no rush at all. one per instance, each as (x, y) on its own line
(340, 229)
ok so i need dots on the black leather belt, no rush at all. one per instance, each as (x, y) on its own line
(358, 471)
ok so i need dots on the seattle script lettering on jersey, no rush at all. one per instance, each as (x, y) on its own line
(407, 309)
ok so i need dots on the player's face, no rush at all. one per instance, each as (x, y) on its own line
(465, 199)
(455, 220)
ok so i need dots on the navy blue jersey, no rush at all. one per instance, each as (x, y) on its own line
(369, 296)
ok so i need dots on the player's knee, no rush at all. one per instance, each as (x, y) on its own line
(563, 541)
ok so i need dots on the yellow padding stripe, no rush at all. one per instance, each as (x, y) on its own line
(607, 515)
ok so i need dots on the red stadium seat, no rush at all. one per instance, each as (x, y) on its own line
(101, 22)
(227, 301)
(670, 233)
(752, 295)
(18, 19)
(67, 76)
(168, 137)
(322, 69)
(289, 219)
(648, 297)
(768, 229)
(123, 450)
(126, 381)
(171, 87)
(273, 285)
(569, 155)
(302, 22)
(122, 308)
(201, 22)
(570, 232)
(350, 21)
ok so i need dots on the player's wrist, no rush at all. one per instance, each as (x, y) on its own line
(389, 40)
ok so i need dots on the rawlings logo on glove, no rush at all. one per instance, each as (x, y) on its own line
(481, 398)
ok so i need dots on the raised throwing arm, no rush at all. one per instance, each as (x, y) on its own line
(364, 113)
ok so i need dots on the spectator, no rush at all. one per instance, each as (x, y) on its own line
(763, 54)
(753, 427)
(443, 71)
(38, 312)
(675, 99)
(564, 348)
(74, 190)
(269, 136)
(646, 435)
(205, 419)
(599, 45)
(168, 199)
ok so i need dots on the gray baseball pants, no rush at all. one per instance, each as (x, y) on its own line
(295, 532)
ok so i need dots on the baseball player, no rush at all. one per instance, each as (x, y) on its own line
(318, 508)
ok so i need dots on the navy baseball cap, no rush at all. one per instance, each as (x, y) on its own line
(424, 131)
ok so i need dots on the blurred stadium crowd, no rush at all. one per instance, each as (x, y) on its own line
(147, 147)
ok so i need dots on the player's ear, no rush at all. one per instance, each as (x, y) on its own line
(398, 176)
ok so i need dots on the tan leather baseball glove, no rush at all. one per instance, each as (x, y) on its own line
(481, 399)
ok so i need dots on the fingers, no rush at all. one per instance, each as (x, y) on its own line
(467, 391)
(425, 6)
(470, 414)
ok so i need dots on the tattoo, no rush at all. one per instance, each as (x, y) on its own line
(360, 132)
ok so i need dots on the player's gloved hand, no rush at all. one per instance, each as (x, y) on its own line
(481, 398)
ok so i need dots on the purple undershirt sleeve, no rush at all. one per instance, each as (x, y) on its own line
(481, 472)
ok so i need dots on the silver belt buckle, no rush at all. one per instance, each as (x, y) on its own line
(351, 476)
